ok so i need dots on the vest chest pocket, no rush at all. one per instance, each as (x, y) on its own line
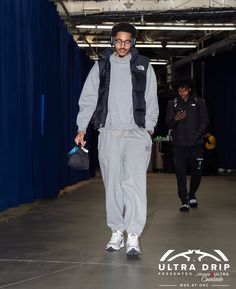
(139, 80)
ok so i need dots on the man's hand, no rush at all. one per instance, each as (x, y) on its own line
(151, 132)
(79, 139)
(180, 115)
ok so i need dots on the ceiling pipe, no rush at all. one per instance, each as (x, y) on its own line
(193, 14)
(212, 49)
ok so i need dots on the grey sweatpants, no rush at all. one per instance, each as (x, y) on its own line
(124, 156)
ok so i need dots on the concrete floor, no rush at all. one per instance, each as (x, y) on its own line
(60, 243)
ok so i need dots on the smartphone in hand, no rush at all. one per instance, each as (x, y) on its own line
(180, 109)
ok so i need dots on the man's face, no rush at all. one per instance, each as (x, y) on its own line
(123, 43)
(184, 92)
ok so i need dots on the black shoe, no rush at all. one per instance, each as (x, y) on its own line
(184, 208)
(193, 202)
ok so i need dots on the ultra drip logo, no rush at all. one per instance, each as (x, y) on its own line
(199, 268)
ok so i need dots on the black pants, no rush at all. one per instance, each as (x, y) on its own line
(188, 158)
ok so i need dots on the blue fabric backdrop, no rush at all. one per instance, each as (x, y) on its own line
(41, 74)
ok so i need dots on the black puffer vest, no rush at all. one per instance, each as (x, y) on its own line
(138, 68)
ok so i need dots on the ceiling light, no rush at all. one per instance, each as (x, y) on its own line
(158, 63)
(184, 24)
(86, 26)
(173, 26)
(203, 28)
(170, 44)
(148, 46)
(181, 46)
(152, 45)
(94, 44)
(161, 60)
(90, 26)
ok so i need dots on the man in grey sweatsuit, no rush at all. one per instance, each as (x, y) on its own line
(120, 93)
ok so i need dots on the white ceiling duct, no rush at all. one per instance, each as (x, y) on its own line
(81, 7)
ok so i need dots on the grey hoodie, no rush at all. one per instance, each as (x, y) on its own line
(120, 107)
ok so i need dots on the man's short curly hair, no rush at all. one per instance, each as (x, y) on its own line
(182, 83)
(124, 27)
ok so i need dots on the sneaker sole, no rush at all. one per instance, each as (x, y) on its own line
(193, 205)
(112, 249)
(133, 252)
(184, 210)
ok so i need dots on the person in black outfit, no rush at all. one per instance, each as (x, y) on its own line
(187, 118)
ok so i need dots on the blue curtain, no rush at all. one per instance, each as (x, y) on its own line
(220, 87)
(41, 74)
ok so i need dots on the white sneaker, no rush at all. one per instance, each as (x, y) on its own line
(116, 242)
(193, 203)
(133, 248)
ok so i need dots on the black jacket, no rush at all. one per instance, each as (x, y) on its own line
(138, 82)
(189, 131)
